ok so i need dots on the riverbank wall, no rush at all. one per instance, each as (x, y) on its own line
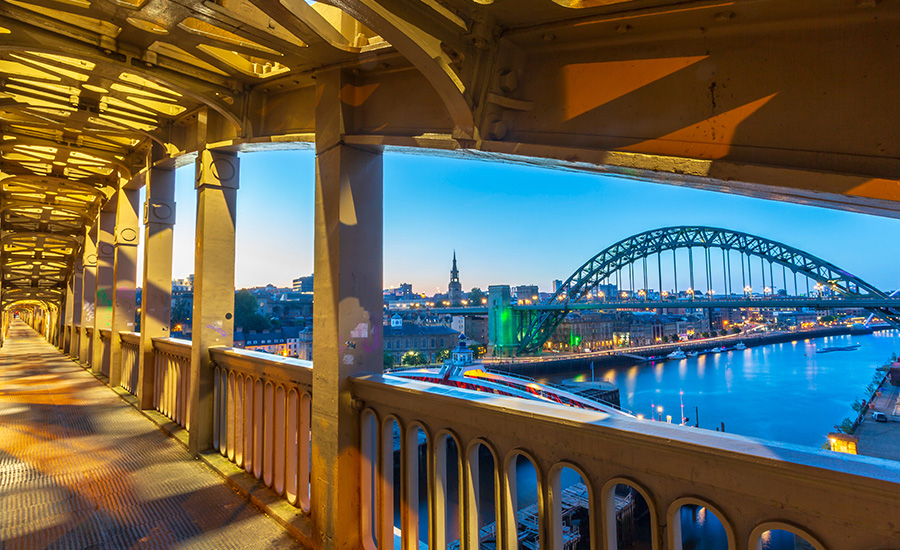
(583, 362)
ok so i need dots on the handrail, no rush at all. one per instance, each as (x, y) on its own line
(173, 346)
(130, 337)
(264, 365)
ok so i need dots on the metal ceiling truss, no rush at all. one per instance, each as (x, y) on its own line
(599, 270)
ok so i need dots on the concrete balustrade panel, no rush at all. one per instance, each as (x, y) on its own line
(830, 499)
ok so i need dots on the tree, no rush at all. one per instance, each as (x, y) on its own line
(476, 295)
(828, 319)
(181, 311)
(736, 330)
(413, 359)
(441, 355)
(664, 339)
(477, 350)
(246, 315)
(705, 334)
(389, 360)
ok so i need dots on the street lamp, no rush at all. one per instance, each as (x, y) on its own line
(766, 291)
(659, 410)
(747, 290)
(690, 292)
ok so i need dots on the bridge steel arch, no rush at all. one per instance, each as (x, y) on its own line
(627, 251)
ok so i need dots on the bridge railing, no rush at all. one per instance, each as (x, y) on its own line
(172, 379)
(105, 342)
(263, 405)
(131, 355)
(472, 443)
(89, 334)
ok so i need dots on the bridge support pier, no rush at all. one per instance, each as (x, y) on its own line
(106, 256)
(124, 278)
(347, 338)
(156, 286)
(88, 294)
(218, 178)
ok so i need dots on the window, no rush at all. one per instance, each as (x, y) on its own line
(432, 342)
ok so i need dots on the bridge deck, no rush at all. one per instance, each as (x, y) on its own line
(80, 468)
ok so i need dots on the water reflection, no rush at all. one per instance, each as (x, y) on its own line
(780, 392)
(701, 529)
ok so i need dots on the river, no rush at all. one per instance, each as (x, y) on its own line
(784, 392)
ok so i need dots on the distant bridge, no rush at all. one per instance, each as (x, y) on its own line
(727, 259)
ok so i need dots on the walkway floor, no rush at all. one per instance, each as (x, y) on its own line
(80, 468)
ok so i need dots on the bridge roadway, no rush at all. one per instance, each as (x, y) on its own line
(790, 302)
(80, 468)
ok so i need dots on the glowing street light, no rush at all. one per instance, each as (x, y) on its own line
(659, 410)
(747, 290)
(690, 291)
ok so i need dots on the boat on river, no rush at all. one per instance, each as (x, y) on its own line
(740, 346)
(830, 349)
(677, 354)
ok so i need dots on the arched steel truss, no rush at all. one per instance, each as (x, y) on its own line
(627, 251)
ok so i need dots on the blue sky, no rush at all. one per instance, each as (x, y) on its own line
(509, 224)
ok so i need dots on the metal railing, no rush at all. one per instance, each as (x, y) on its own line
(131, 360)
(172, 379)
(105, 350)
(89, 335)
(751, 485)
(263, 405)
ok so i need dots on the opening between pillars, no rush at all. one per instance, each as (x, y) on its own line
(571, 513)
(698, 525)
(482, 497)
(524, 505)
(448, 491)
(782, 536)
(630, 520)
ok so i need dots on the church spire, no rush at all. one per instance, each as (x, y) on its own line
(454, 273)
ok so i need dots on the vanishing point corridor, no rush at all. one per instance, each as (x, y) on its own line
(80, 468)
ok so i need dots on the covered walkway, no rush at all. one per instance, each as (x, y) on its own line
(80, 468)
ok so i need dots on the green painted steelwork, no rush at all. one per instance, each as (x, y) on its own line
(638, 247)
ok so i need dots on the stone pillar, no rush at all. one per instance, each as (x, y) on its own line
(104, 289)
(347, 317)
(217, 180)
(77, 276)
(124, 277)
(156, 287)
(88, 290)
(68, 300)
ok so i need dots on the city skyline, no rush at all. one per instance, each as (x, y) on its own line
(496, 217)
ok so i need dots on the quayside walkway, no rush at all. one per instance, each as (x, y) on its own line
(80, 468)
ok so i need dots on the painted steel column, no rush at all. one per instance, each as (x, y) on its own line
(88, 290)
(104, 288)
(124, 277)
(156, 287)
(69, 301)
(217, 180)
(347, 333)
(77, 276)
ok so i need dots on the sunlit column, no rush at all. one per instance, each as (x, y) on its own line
(75, 324)
(88, 290)
(347, 330)
(156, 287)
(217, 179)
(124, 277)
(104, 285)
(66, 316)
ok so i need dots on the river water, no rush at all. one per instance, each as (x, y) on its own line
(784, 392)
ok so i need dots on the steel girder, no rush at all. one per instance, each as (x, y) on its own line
(627, 251)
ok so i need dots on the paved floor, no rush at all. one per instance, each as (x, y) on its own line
(881, 439)
(80, 468)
